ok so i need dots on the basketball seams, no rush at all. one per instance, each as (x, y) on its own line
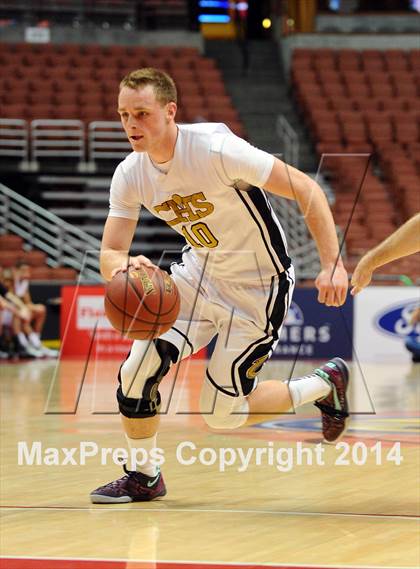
(128, 322)
(122, 310)
(161, 296)
(142, 300)
(131, 316)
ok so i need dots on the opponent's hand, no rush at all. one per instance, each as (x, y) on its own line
(362, 275)
(332, 286)
(134, 263)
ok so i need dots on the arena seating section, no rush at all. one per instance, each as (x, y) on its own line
(11, 250)
(81, 82)
(365, 102)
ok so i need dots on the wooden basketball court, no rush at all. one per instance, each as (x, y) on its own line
(364, 513)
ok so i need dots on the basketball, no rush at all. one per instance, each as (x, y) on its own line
(142, 303)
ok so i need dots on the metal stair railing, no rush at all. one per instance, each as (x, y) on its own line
(52, 138)
(63, 243)
(14, 139)
(301, 245)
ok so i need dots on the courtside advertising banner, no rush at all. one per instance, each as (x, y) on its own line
(315, 331)
(383, 322)
(84, 327)
(85, 330)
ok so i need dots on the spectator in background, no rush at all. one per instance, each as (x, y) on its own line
(38, 312)
(14, 315)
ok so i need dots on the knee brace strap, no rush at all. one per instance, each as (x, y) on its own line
(149, 403)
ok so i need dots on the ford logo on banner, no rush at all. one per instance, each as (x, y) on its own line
(395, 320)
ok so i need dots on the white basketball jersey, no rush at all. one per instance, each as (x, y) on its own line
(233, 234)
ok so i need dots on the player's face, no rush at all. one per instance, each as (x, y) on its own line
(145, 120)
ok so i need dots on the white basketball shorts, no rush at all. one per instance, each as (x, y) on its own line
(246, 319)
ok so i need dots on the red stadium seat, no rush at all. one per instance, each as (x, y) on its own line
(382, 89)
(334, 90)
(354, 132)
(35, 258)
(373, 65)
(358, 90)
(9, 258)
(65, 98)
(212, 89)
(406, 133)
(10, 242)
(67, 111)
(18, 111)
(40, 273)
(408, 90)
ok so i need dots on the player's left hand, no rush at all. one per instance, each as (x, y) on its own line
(332, 284)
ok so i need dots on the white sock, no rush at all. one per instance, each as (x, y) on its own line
(23, 340)
(307, 389)
(35, 339)
(140, 450)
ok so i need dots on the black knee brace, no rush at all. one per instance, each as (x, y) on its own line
(149, 403)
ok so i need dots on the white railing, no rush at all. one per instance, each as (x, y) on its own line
(289, 140)
(57, 138)
(14, 139)
(63, 243)
(107, 140)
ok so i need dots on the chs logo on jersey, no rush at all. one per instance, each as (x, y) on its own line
(189, 209)
(395, 321)
(186, 208)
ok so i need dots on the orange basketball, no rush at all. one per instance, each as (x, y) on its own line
(142, 303)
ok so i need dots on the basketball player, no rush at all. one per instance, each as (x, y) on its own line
(404, 241)
(235, 280)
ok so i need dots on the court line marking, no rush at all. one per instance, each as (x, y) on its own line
(210, 563)
(215, 511)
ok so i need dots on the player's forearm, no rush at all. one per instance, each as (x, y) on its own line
(319, 220)
(116, 242)
(289, 182)
(111, 259)
(405, 241)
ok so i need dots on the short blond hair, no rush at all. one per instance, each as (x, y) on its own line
(163, 84)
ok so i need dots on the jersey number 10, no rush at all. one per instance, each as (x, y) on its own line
(199, 235)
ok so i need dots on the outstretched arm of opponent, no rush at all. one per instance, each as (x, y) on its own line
(404, 241)
(288, 182)
(116, 241)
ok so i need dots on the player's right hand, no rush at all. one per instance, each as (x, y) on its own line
(134, 263)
